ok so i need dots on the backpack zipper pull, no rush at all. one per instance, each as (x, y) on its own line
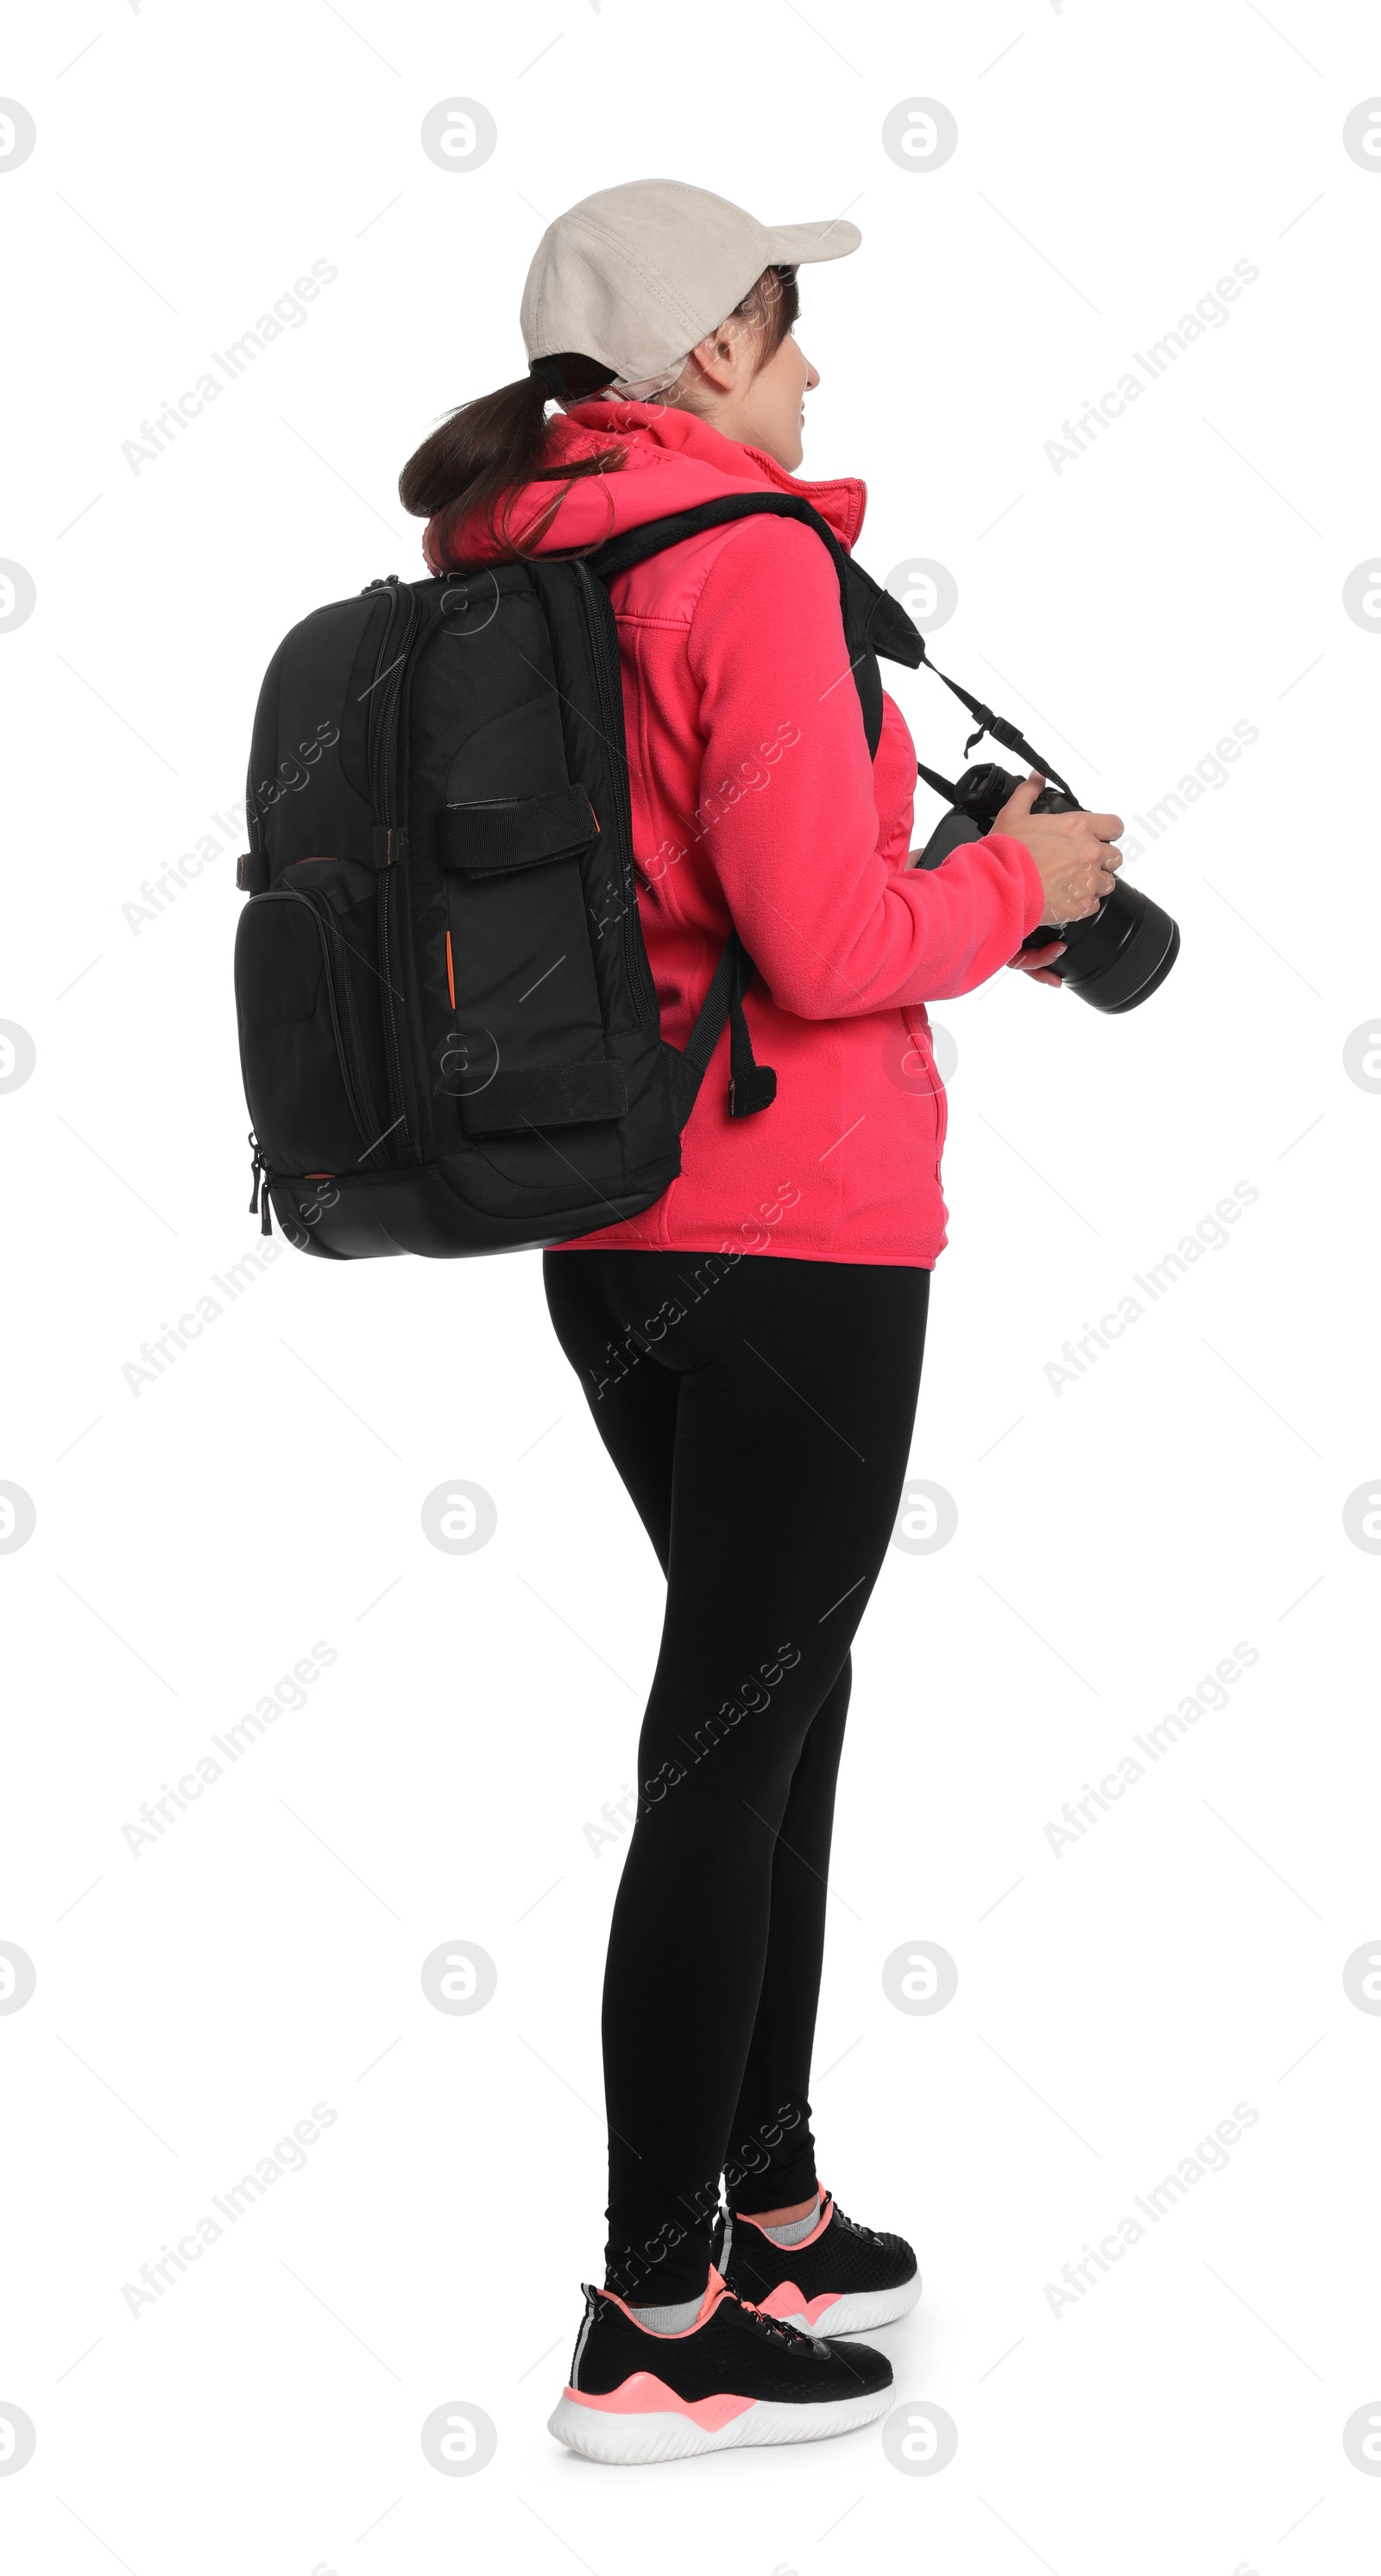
(259, 1167)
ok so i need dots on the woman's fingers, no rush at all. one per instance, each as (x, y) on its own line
(1037, 962)
(1077, 864)
(1092, 846)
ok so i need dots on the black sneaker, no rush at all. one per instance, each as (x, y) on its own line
(841, 2279)
(733, 2378)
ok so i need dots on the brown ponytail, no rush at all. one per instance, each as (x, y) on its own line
(475, 466)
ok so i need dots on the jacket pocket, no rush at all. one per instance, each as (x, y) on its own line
(921, 1053)
(302, 1048)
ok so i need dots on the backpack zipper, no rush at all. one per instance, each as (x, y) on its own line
(383, 761)
(599, 622)
(384, 694)
(391, 586)
(397, 1103)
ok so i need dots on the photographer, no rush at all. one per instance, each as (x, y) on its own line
(751, 1346)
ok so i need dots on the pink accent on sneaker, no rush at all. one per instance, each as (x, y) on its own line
(826, 2214)
(786, 2301)
(715, 2289)
(646, 2394)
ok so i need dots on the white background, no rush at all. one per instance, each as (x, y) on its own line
(193, 1540)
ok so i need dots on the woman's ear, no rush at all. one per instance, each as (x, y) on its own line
(724, 358)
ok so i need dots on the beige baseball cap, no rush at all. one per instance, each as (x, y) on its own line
(635, 276)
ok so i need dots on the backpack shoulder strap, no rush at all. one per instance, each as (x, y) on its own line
(752, 1086)
(874, 623)
(863, 608)
(636, 544)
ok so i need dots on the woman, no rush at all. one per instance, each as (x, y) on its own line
(750, 1347)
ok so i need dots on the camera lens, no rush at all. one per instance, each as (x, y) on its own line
(1115, 958)
(1119, 956)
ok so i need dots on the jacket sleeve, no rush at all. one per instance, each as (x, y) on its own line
(787, 807)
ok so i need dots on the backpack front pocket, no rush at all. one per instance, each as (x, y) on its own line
(302, 1046)
(520, 965)
(526, 1071)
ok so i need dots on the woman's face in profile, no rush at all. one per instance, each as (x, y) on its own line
(773, 403)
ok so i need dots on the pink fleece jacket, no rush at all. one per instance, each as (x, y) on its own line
(755, 806)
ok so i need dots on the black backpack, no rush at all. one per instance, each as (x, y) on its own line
(449, 1031)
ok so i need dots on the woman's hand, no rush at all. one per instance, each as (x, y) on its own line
(1073, 853)
(1037, 962)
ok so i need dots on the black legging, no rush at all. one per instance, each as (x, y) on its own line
(759, 1411)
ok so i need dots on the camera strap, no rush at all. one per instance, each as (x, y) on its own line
(884, 625)
(943, 786)
(986, 722)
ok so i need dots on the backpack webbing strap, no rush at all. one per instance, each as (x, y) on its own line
(752, 1086)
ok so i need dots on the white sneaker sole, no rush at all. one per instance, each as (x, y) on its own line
(630, 2441)
(862, 2310)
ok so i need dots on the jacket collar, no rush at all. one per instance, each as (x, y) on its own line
(669, 461)
(653, 430)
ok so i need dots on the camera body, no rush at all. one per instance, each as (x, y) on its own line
(1117, 956)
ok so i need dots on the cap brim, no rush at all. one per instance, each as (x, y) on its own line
(792, 245)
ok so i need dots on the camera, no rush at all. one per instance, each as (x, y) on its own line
(1117, 956)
